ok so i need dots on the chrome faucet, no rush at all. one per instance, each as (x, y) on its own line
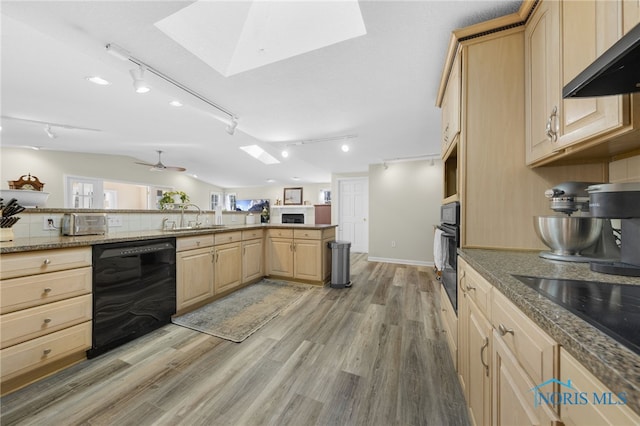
(183, 207)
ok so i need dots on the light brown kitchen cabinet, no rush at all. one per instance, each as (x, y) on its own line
(451, 109)
(449, 322)
(228, 267)
(487, 162)
(252, 255)
(591, 413)
(631, 14)
(46, 313)
(561, 39)
(474, 350)
(524, 356)
(300, 254)
(194, 271)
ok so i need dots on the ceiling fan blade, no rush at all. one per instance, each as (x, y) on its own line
(159, 167)
(164, 168)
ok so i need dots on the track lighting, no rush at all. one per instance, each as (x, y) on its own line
(49, 132)
(231, 128)
(139, 84)
(137, 75)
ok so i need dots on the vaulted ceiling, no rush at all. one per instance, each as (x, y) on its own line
(378, 88)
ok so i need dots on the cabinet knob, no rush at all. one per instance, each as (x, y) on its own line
(46, 352)
(198, 243)
(46, 261)
(504, 330)
(47, 290)
(47, 320)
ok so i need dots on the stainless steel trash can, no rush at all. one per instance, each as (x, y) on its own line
(340, 264)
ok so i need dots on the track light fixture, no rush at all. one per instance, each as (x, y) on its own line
(49, 132)
(124, 55)
(231, 128)
(139, 83)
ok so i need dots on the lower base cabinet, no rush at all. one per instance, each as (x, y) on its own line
(194, 271)
(228, 267)
(603, 407)
(503, 356)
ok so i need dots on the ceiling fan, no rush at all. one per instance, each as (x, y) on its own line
(159, 167)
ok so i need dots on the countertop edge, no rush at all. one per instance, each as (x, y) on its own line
(60, 241)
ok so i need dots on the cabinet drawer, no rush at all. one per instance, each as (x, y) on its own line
(26, 292)
(532, 347)
(27, 324)
(280, 233)
(473, 286)
(307, 234)
(21, 358)
(39, 262)
(227, 237)
(195, 242)
(252, 234)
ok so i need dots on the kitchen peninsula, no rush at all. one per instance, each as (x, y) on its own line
(47, 283)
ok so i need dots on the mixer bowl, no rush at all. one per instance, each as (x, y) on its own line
(566, 235)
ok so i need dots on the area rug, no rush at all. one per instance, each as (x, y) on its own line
(242, 313)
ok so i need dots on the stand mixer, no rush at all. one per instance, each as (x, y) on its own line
(579, 238)
(619, 201)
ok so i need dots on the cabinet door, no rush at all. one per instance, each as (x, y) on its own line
(194, 276)
(611, 412)
(252, 264)
(228, 267)
(631, 14)
(280, 257)
(589, 28)
(513, 402)
(542, 77)
(451, 107)
(479, 380)
(307, 259)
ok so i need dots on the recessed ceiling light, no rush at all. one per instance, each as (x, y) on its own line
(98, 80)
(295, 178)
(285, 154)
(35, 148)
(271, 180)
(175, 103)
(345, 148)
(258, 153)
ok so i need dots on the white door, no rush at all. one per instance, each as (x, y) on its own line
(353, 213)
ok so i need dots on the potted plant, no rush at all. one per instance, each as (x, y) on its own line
(168, 199)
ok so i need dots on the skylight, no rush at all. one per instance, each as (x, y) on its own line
(256, 152)
(236, 36)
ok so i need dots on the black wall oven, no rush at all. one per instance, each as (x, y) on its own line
(450, 241)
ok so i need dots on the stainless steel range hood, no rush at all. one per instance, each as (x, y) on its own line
(615, 72)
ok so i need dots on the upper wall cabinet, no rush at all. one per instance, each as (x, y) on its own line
(561, 39)
(631, 14)
(451, 109)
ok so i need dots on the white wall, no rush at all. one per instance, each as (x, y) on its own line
(51, 167)
(404, 206)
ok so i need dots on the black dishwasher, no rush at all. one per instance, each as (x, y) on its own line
(134, 291)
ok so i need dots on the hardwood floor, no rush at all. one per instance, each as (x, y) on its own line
(372, 354)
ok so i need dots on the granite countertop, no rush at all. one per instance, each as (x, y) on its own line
(615, 365)
(61, 241)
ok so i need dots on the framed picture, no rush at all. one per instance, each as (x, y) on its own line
(292, 196)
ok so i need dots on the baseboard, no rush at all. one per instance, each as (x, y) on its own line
(400, 261)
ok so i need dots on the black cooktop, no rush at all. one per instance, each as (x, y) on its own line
(612, 308)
